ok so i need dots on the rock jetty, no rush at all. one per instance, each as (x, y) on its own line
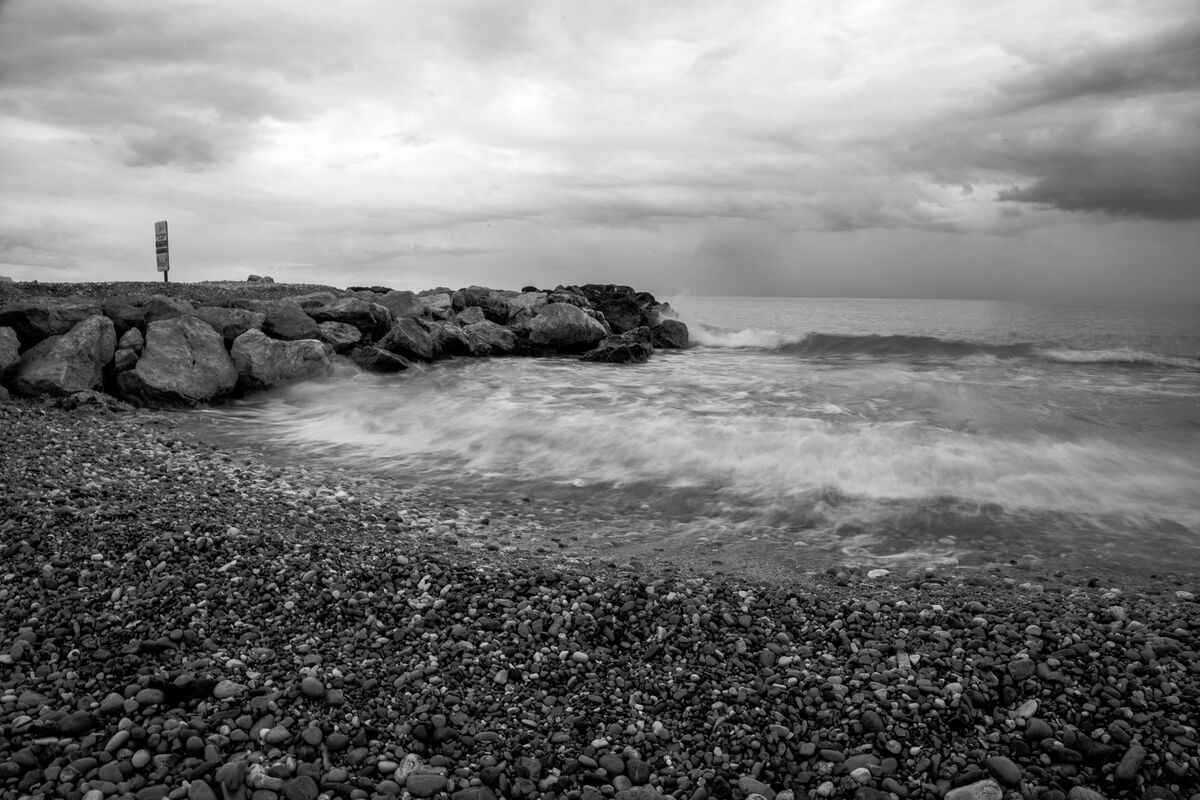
(204, 343)
(178, 621)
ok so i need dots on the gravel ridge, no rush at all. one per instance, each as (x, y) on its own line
(177, 621)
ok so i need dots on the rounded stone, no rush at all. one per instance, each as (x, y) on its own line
(1004, 770)
(300, 788)
(312, 687)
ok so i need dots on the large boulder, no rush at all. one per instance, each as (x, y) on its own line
(376, 359)
(184, 364)
(262, 362)
(231, 322)
(160, 306)
(621, 306)
(285, 320)
(370, 318)
(10, 351)
(401, 304)
(631, 347)
(564, 327)
(410, 339)
(342, 337)
(448, 340)
(486, 338)
(670, 333)
(34, 322)
(72, 362)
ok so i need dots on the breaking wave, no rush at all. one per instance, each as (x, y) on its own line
(819, 345)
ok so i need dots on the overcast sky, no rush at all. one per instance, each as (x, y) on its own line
(1017, 148)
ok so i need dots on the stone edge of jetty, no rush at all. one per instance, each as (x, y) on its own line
(194, 345)
(178, 622)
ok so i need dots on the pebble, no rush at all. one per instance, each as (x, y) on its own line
(751, 786)
(1130, 763)
(425, 785)
(302, 787)
(986, 789)
(1084, 793)
(1004, 770)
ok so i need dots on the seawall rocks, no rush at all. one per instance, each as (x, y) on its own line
(183, 364)
(380, 329)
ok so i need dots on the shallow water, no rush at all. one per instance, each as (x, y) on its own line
(801, 433)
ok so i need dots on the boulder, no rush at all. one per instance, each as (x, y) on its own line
(631, 347)
(125, 358)
(127, 313)
(438, 305)
(571, 295)
(375, 359)
(34, 322)
(231, 322)
(564, 327)
(401, 304)
(184, 364)
(469, 316)
(10, 351)
(621, 306)
(526, 303)
(160, 306)
(259, 279)
(370, 318)
(72, 362)
(486, 338)
(262, 362)
(341, 336)
(285, 320)
(492, 303)
(132, 339)
(670, 333)
(448, 340)
(408, 338)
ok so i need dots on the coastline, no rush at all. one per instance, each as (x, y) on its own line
(494, 670)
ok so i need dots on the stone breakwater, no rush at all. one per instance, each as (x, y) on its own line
(163, 350)
(177, 621)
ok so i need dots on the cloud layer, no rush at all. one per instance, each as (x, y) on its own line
(858, 148)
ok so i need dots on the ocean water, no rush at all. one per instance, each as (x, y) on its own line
(802, 433)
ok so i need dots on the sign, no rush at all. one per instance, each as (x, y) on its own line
(160, 246)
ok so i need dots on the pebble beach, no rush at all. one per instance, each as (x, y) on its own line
(177, 620)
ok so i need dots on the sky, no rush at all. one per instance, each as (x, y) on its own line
(1014, 149)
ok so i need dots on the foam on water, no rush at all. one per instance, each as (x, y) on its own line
(929, 441)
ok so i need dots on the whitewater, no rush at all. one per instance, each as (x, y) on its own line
(801, 433)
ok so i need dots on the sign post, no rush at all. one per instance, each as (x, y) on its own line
(160, 248)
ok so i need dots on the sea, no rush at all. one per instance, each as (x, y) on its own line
(799, 435)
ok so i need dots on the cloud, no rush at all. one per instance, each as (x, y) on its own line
(1102, 128)
(1164, 61)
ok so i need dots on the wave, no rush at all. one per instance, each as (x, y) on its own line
(903, 346)
(1134, 358)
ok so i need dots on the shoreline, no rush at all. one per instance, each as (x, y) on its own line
(171, 608)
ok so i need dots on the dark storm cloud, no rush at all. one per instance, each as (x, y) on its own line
(1167, 61)
(1108, 128)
